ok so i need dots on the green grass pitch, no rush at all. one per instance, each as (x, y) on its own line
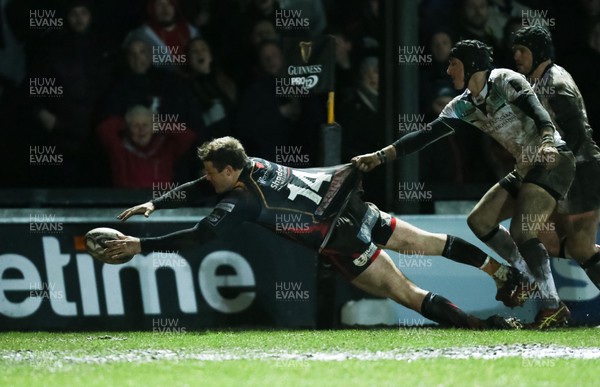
(350, 357)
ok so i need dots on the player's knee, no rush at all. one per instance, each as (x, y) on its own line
(477, 223)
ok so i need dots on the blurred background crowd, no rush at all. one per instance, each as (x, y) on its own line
(124, 90)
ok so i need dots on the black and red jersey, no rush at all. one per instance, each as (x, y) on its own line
(299, 204)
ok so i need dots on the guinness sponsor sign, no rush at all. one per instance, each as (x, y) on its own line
(310, 63)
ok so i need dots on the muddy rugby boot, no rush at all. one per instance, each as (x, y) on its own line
(551, 318)
(513, 287)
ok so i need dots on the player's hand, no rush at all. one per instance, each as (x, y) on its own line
(366, 162)
(125, 246)
(146, 209)
(548, 156)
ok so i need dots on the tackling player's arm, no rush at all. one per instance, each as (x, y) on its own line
(235, 208)
(412, 142)
(180, 196)
(519, 92)
(568, 117)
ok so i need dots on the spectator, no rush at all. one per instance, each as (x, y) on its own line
(262, 30)
(166, 31)
(266, 120)
(440, 44)
(79, 64)
(143, 84)
(500, 13)
(312, 11)
(260, 10)
(141, 157)
(504, 55)
(214, 93)
(344, 70)
(358, 113)
(473, 19)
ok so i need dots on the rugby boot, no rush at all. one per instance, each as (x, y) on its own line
(551, 318)
(513, 286)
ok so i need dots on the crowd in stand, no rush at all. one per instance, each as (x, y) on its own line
(125, 90)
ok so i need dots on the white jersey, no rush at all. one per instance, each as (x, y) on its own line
(499, 113)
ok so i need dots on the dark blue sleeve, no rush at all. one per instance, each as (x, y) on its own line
(416, 141)
(237, 207)
(185, 195)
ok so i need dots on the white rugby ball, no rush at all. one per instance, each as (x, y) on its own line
(95, 243)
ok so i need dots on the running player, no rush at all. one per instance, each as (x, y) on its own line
(577, 216)
(346, 231)
(502, 104)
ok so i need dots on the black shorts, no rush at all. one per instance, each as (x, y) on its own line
(555, 181)
(584, 194)
(352, 245)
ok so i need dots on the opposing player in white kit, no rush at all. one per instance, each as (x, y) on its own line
(577, 216)
(501, 103)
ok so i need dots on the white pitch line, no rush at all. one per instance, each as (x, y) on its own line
(524, 351)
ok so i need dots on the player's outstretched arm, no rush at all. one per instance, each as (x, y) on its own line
(412, 142)
(146, 209)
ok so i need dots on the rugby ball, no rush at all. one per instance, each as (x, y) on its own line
(95, 243)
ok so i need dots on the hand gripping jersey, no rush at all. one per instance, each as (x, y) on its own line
(299, 204)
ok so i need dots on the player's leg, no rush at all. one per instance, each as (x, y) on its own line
(352, 250)
(484, 220)
(409, 239)
(555, 241)
(532, 213)
(382, 278)
(580, 242)
(578, 220)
